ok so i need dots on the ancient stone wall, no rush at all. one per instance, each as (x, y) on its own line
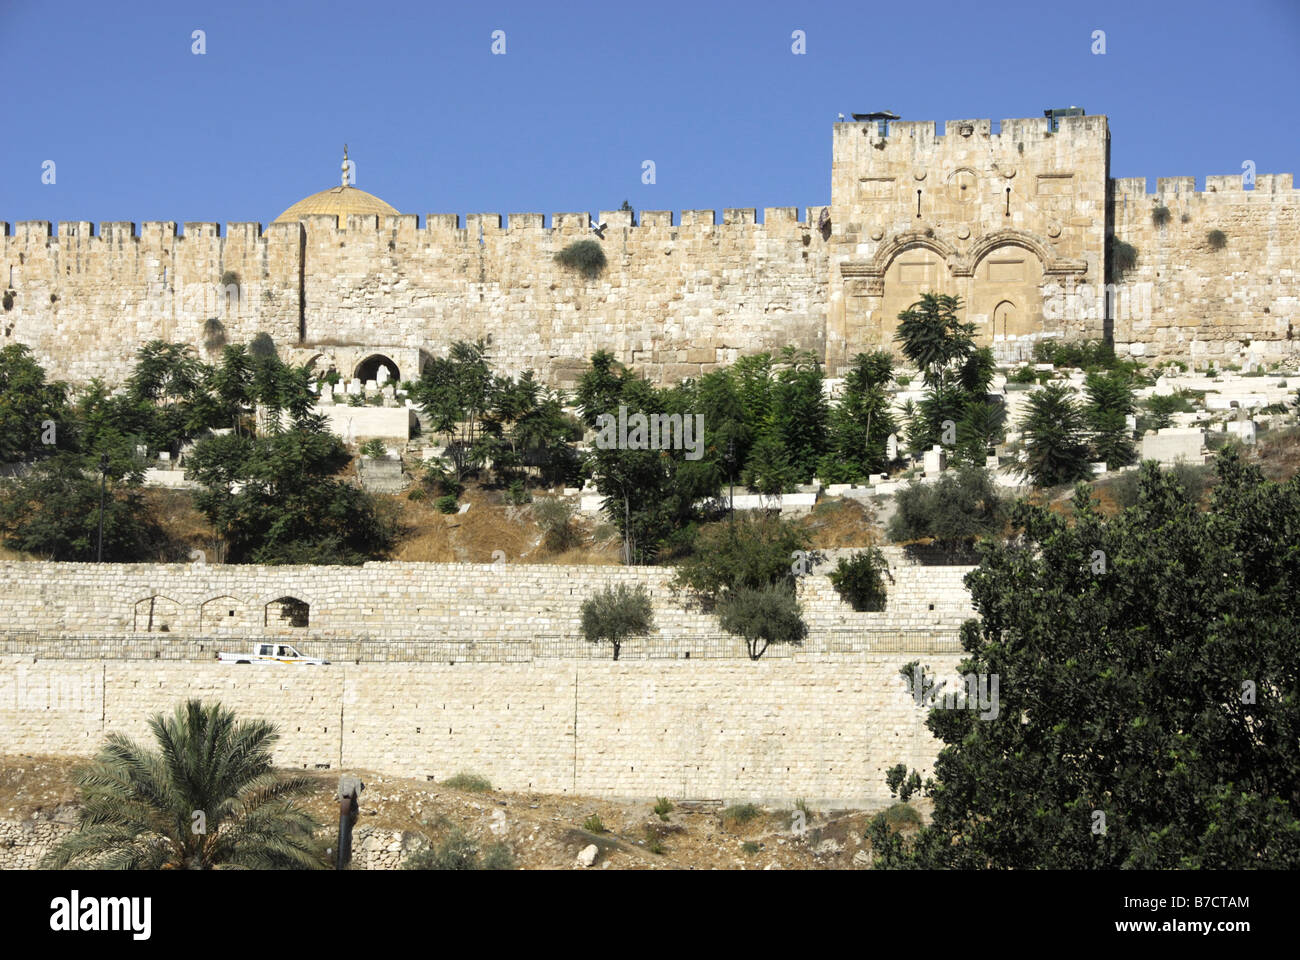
(1207, 302)
(822, 728)
(152, 603)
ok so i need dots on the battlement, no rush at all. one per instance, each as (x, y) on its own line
(1231, 183)
(445, 226)
(920, 133)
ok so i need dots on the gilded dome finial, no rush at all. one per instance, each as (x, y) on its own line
(345, 164)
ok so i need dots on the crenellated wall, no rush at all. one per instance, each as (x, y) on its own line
(1012, 219)
(1205, 302)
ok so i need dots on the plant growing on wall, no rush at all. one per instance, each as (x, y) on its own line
(585, 256)
(7, 301)
(214, 333)
(1217, 239)
(860, 581)
(1160, 215)
(615, 614)
(1123, 257)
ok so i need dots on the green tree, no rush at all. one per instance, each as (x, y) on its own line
(763, 616)
(933, 338)
(456, 393)
(52, 512)
(614, 614)
(28, 405)
(749, 551)
(1147, 676)
(278, 499)
(1109, 404)
(1056, 449)
(860, 424)
(207, 797)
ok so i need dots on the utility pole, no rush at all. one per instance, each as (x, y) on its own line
(103, 483)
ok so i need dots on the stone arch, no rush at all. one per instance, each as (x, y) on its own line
(1005, 299)
(222, 613)
(903, 242)
(157, 614)
(368, 369)
(986, 244)
(286, 610)
(911, 271)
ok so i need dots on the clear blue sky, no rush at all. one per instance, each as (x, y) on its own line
(140, 128)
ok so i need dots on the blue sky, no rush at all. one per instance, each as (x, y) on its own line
(141, 128)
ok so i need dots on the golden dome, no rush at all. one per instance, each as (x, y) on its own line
(338, 202)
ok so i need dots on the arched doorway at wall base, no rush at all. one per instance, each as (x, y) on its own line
(368, 369)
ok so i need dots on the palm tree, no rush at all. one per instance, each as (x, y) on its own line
(932, 337)
(207, 798)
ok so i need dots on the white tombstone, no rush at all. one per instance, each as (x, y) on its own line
(935, 460)
(992, 463)
(891, 447)
(382, 376)
(354, 388)
(1130, 422)
(1244, 430)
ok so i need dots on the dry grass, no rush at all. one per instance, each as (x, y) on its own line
(841, 522)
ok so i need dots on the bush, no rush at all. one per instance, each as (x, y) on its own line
(214, 333)
(1162, 407)
(374, 449)
(517, 495)
(663, 807)
(750, 847)
(593, 824)
(458, 851)
(555, 517)
(860, 581)
(447, 504)
(1023, 375)
(1160, 215)
(762, 616)
(1089, 354)
(902, 815)
(741, 813)
(1123, 257)
(469, 782)
(585, 256)
(1055, 448)
(262, 346)
(954, 512)
(616, 613)
(1217, 239)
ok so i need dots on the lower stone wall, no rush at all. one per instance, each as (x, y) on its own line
(824, 729)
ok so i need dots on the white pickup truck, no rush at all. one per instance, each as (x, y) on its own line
(271, 653)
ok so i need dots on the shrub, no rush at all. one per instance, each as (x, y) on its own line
(214, 333)
(593, 824)
(1160, 215)
(7, 301)
(1162, 407)
(616, 613)
(902, 815)
(374, 449)
(229, 277)
(902, 784)
(750, 847)
(1217, 239)
(469, 782)
(860, 581)
(262, 346)
(741, 813)
(555, 517)
(447, 504)
(954, 512)
(1023, 375)
(585, 256)
(762, 616)
(458, 851)
(663, 807)
(517, 495)
(1123, 257)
